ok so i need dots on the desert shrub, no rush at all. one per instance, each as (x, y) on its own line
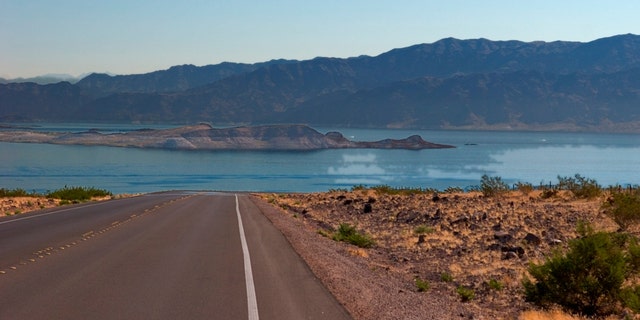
(548, 192)
(78, 193)
(453, 190)
(495, 284)
(524, 187)
(623, 207)
(446, 277)
(15, 193)
(324, 233)
(386, 189)
(422, 285)
(466, 294)
(423, 229)
(588, 278)
(348, 233)
(580, 186)
(492, 186)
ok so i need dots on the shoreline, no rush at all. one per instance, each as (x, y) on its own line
(205, 137)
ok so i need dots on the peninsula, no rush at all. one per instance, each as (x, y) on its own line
(205, 137)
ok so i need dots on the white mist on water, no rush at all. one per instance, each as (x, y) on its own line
(610, 166)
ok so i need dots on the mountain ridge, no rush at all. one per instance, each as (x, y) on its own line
(450, 83)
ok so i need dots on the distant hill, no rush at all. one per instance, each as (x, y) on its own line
(451, 83)
(44, 79)
(174, 79)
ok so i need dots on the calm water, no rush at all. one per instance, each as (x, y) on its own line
(527, 157)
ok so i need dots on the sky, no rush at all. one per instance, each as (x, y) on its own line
(76, 37)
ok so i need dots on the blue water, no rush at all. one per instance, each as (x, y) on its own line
(514, 156)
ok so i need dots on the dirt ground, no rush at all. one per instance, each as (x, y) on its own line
(450, 241)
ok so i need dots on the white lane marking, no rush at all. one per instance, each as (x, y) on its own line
(252, 304)
(52, 212)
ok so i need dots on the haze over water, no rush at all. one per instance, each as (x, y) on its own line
(515, 156)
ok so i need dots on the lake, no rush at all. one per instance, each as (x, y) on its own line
(535, 157)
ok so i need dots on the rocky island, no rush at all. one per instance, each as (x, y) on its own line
(205, 137)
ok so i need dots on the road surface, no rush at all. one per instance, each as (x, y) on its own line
(172, 255)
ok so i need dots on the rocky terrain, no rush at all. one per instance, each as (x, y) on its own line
(450, 241)
(18, 205)
(205, 137)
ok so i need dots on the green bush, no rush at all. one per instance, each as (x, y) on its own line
(348, 233)
(631, 298)
(446, 277)
(422, 285)
(466, 294)
(492, 186)
(405, 191)
(78, 193)
(423, 229)
(623, 207)
(588, 278)
(580, 186)
(5, 193)
(495, 284)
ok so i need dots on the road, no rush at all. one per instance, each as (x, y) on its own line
(172, 255)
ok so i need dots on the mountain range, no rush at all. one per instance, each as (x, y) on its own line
(451, 83)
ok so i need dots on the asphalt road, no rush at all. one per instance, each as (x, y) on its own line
(173, 255)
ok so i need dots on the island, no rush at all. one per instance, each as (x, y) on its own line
(205, 137)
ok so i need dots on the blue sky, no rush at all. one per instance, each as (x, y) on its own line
(134, 36)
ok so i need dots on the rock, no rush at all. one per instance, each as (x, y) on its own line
(367, 208)
(326, 226)
(459, 220)
(437, 215)
(555, 242)
(461, 251)
(518, 251)
(407, 217)
(509, 255)
(347, 202)
(532, 239)
(502, 237)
